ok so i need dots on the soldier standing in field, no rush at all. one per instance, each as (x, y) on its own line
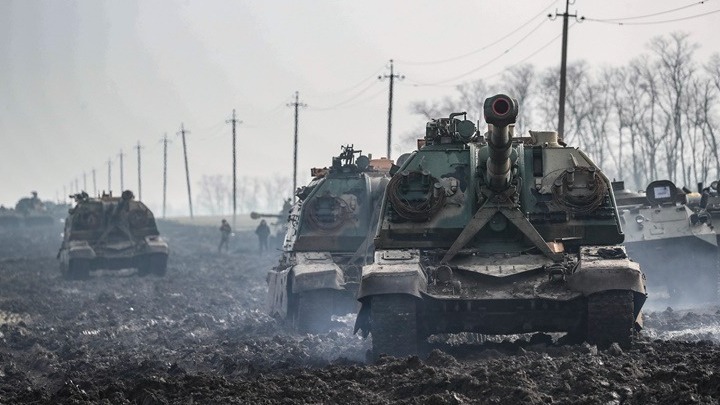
(263, 231)
(225, 232)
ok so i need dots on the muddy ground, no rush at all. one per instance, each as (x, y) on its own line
(199, 336)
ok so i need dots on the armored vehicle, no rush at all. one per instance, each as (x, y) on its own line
(329, 239)
(676, 246)
(280, 226)
(33, 212)
(9, 218)
(497, 235)
(111, 233)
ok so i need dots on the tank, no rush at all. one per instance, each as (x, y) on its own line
(33, 212)
(9, 219)
(328, 240)
(111, 233)
(675, 245)
(497, 235)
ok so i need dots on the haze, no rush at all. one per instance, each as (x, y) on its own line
(81, 81)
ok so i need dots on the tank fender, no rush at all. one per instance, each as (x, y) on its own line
(393, 272)
(80, 249)
(155, 244)
(316, 270)
(604, 268)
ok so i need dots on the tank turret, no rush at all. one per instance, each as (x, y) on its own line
(497, 234)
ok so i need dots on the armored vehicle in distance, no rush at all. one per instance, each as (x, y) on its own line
(111, 233)
(329, 239)
(32, 211)
(675, 245)
(497, 235)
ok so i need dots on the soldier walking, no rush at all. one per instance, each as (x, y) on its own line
(263, 231)
(225, 232)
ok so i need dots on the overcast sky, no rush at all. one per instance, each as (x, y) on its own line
(81, 81)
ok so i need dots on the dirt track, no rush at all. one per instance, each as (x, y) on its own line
(199, 336)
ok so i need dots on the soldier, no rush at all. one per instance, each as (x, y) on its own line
(225, 232)
(263, 231)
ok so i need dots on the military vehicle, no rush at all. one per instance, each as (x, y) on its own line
(32, 211)
(677, 246)
(497, 235)
(111, 233)
(280, 226)
(9, 218)
(329, 239)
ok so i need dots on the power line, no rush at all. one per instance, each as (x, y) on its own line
(165, 142)
(234, 121)
(563, 65)
(538, 50)
(490, 61)
(139, 172)
(353, 87)
(648, 15)
(296, 104)
(659, 22)
(490, 45)
(122, 171)
(182, 133)
(358, 94)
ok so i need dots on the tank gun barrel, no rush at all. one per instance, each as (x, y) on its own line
(500, 111)
(258, 215)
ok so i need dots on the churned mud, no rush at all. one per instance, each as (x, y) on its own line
(200, 336)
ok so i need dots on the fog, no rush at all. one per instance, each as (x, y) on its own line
(82, 81)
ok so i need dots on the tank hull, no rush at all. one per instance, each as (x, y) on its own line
(500, 295)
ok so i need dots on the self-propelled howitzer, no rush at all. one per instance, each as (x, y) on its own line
(329, 239)
(497, 235)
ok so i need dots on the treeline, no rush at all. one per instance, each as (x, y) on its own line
(266, 194)
(654, 118)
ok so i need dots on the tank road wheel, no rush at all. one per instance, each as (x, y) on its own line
(394, 326)
(610, 318)
(153, 264)
(77, 269)
(314, 311)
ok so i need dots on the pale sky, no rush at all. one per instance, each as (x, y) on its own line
(82, 80)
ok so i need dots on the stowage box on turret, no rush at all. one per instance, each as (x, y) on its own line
(497, 235)
(329, 239)
(111, 233)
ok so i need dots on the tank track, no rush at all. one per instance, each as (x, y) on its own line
(314, 311)
(153, 264)
(77, 269)
(610, 318)
(394, 326)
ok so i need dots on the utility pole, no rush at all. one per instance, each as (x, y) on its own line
(182, 133)
(234, 121)
(295, 104)
(77, 186)
(94, 183)
(392, 76)
(109, 162)
(84, 181)
(165, 144)
(138, 147)
(122, 172)
(563, 64)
